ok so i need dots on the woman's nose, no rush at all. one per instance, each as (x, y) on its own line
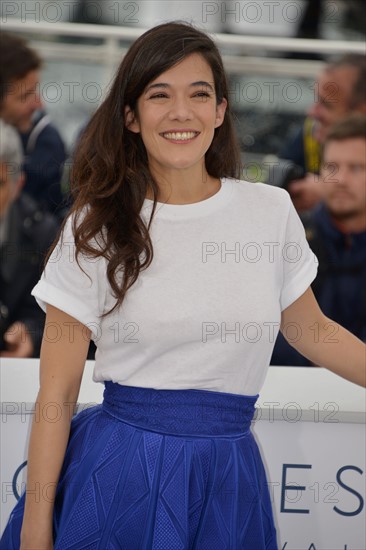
(180, 110)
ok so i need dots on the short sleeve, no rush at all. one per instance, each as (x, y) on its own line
(300, 265)
(77, 288)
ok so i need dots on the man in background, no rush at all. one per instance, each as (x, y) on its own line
(21, 106)
(26, 233)
(336, 231)
(340, 90)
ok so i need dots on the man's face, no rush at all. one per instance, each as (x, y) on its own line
(333, 94)
(21, 101)
(344, 178)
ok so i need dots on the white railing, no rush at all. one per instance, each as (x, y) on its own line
(244, 43)
(240, 53)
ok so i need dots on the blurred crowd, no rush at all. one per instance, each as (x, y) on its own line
(323, 168)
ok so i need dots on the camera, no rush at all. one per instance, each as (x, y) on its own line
(282, 172)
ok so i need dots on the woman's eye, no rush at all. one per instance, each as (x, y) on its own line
(202, 94)
(158, 96)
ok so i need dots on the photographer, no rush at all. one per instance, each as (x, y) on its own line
(25, 235)
(21, 106)
(339, 91)
(336, 232)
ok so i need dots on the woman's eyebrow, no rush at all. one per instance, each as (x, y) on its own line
(203, 83)
(165, 85)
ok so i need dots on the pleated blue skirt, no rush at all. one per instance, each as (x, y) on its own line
(162, 470)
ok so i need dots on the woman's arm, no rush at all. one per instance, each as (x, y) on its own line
(63, 353)
(323, 341)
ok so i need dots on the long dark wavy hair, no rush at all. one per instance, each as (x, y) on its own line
(110, 176)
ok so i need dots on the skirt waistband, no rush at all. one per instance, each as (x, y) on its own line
(180, 412)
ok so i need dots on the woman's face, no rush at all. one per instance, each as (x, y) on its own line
(176, 116)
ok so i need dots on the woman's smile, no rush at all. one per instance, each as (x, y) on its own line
(180, 136)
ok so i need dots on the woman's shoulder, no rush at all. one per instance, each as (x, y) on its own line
(73, 254)
(261, 195)
(74, 222)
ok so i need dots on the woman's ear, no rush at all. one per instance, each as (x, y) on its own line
(220, 112)
(131, 121)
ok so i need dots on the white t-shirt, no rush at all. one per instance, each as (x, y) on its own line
(205, 314)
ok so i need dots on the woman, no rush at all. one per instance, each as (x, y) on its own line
(172, 254)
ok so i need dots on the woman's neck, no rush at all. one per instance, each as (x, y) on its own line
(185, 187)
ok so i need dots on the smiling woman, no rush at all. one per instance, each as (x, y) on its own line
(126, 158)
(168, 460)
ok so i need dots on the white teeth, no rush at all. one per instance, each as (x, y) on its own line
(180, 136)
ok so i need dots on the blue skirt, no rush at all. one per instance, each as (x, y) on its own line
(162, 470)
